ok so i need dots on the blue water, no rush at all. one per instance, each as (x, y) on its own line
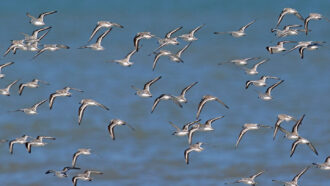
(151, 155)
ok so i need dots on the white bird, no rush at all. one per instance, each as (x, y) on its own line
(126, 61)
(50, 47)
(79, 152)
(88, 102)
(103, 24)
(145, 92)
(325, 165)
(287, 11)
(177, 57)
(39, 21)
(189, 37)
(38, 142)
(20, 140)
(3, 66)
(313, 16)
(159, 54)
(15, 45)
(293, 135)
(278, 48)
(139, 36)
(280, 119)
(302, 140)
(313, 46)
(253, 70)
(195, 147)
(249, 126)
(164, 97)
(238, 33)
(205, 99)
(116, 122)
(62, 92)
(294, 181)
(168, 40)
(6, 91)
(32, 84)
(86, 176)
(182, 97)
(260, 82)
(250, 180)
(97, 45)
(241, 61)
(62, 173)
(267, 95)
(185, 129)
(31, 110)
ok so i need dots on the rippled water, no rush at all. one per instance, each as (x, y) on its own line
(151, 155)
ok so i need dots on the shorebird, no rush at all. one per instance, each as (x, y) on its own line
(38, 142)
(185, 129)
(278, 48)
(78, 153)
(195, 147)
(207, 126)
(313, 16)
(145, 92)
(253, 70)
(139, 36)
(293, 135)
(97, 45)
(168, 40)
(260, 82)
(159, 54)
(177, 57)
(31, 110)
(250, 180)
(50, 47)
(238, 33)
(280, 119)
(267, 95)
(33, 45)
(305, 44)
(189, 37)
(116, 122)
(313, 46)
(40, 20)
(6, 91)
(286, 11)
(249, 126)
(61, 92)
(103, 24)
(62, 173)
(164, 97)
(294, 181)
(182, 97)
(32, 84)
(288, 30)
(302, 140)
(88, 102)
(205, 99)
(126, 61)
(15, 45)
(241, 61)
(3, 66)
(34, 36)
(325, 165)
(86, 176)
(20, 140)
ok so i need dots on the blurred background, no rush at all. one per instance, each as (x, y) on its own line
(151, 155)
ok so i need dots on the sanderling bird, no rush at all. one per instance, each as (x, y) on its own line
(88, 102)
(207, 126)
(313, 16)
(34, 36)
(260, 82)
(164, 97)
(62, 173)
(241, 61)
(205, 99)
(238, 33)
(168, 40)
(139, 36)
(50, 47)
(246, 127)
(294, 181)
(286, 11)
(126, 61)
(61, 92)
(305, 44)
(31, 110)
(177, 57)
(86, 176)
(195, 147)
(32, 84)
(280, 119)
(40, 20)
(97, 45)
(250, 180)
(279, 47)
(79, 152)
(182, 97)
(288, 30)
(325, 165)
(253, 70)
(145, 92)
(116, 122)
(159, 54)
(313, 46)
(189, 37)
(293, 135)
(302, 140)
(20, 140)
(103, 24)
(3, 66)
(38, 142)
(15, 45)
(267, 95)
(185, 129)
(6, 91)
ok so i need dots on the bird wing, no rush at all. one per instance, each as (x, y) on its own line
(311, 146)
(294, 146)
(200, 107)
(218, 100)
(269, 89)
(97, 27)
(176, 127)
(168, 35)
(74, 158)
(149, 83)
(35, 106)
(99, 39)
(244, 27)
(183, 92)
(182, 50)
(81, 112)
(295, 179)
(46, 13)
(157, 100)
(111, 131)
(243, 131)
(256, 175)
(280, 17)
(297, 125)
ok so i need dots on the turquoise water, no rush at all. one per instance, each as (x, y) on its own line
(151, 155)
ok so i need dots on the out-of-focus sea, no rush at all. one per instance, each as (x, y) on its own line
(151, 155)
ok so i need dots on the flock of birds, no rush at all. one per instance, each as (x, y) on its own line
(31, 43)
